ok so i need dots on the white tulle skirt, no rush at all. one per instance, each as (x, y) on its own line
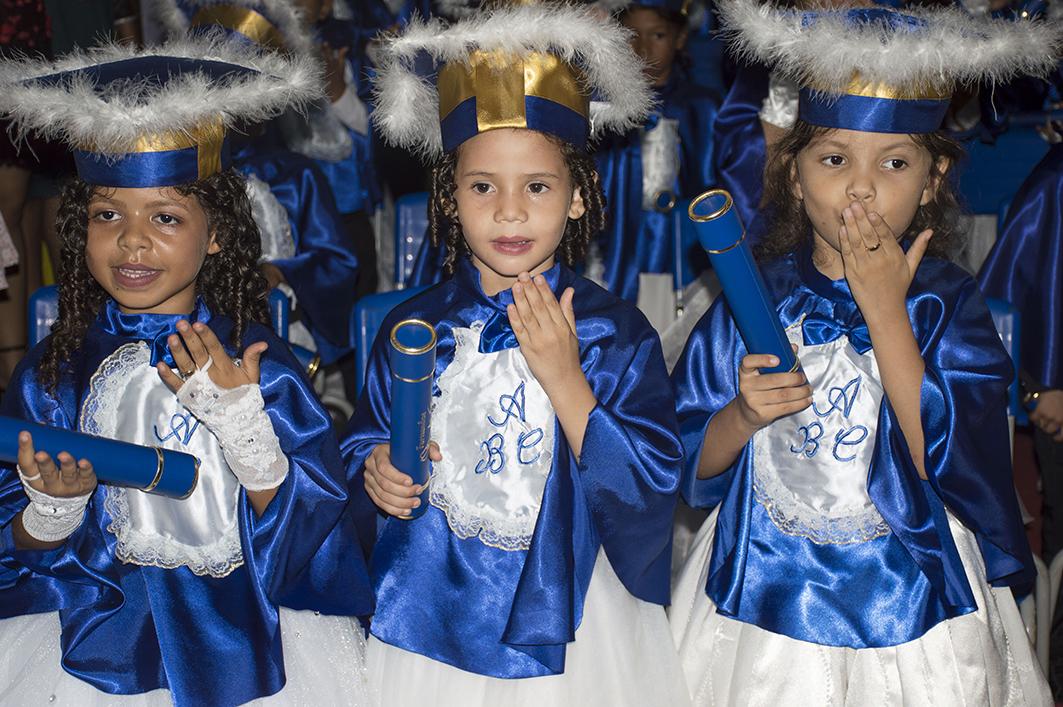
(324, 661)
(982, 658)
(622, 656)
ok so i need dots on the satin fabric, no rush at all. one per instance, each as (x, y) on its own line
(130, 629)
(739, 148)
(324, 270)
(637, 240)
(1025, 267)
(871, 115)
(510, 613)
(353, 180)
(147, 169)
(821, 593)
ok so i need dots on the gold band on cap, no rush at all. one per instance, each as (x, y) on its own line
(859, 86)
(207, 137)
(500, 82)
(243, 20)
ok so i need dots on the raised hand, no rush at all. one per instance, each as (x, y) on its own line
(546, 331)
(877, 269)
(202, 350)
(71, 478)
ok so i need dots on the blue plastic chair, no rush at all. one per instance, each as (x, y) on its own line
(44, 310)
(369, 314)
(1007, 321)
(411, 224)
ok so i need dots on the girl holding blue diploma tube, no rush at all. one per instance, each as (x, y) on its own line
(239, 585)
(536, 571)
(864, 520)
(413, 362)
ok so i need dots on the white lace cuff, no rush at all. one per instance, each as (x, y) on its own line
(780, 105)
(238, 419)
(50, 519)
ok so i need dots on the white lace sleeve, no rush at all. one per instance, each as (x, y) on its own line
(238, 419)
(50, 519)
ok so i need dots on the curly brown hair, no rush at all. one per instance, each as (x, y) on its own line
(789, 227)
(443, 225)
(229, 282)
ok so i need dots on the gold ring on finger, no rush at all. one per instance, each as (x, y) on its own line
(874, 247)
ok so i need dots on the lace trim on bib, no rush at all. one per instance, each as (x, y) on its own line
(99, 416)
(793, 518)
(482, 520)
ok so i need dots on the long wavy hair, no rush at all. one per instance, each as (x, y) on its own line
(789, 227)
(443, 225)
(229, 281)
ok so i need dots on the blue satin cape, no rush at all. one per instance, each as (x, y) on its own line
(636, 241)
(324, 269)
(511, 614)
(129, 629)
(1025, 267)
(738, 145)
(896, 587)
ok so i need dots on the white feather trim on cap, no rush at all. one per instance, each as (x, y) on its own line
(407, 104)
(952, 48)
(109, 119)
(286, 15)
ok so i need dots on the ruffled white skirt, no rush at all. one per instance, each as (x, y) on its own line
(622, 656)
(982, 658)
(324, 661)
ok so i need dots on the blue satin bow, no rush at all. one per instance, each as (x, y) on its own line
(152, 329)
(818, 329)
(497, 334)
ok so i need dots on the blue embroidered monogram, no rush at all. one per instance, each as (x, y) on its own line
(496, 460)
(182, 427)
(823, 496)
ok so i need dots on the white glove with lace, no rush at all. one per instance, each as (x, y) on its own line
(238, 419)
(48, 518)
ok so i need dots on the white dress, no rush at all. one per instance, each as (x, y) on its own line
(324, 656)
(980, 658)
(622, 653)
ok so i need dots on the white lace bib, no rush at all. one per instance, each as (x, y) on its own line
(810, 469)
(128, 401)
(495, 428)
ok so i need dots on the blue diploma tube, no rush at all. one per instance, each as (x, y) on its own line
(722, 236)
(150, 469)
(413, 363)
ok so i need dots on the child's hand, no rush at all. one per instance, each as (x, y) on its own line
(205, 351)
(391, 490)
(878, 270)
(1048, 415)
(546, 332)
(39, 471)
(765, 397)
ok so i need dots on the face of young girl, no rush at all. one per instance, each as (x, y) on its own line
(656, 40)
(514, 196)
(146, 246)
(888, 173)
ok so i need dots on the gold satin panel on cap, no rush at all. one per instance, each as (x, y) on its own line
(207, 137)
(500, 83)
(858, 86)
(243, 20)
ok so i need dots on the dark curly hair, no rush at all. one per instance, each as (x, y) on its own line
(229, 282)
(789, 227)
(443, 225)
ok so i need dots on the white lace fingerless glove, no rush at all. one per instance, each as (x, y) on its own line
(238, 418)
(48, 518)
(780, 105)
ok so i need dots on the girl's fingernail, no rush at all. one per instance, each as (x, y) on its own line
(539, 279)
(516, 287)
(773, 361)
(417, 503)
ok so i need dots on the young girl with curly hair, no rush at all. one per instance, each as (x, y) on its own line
(542, 559)
(162, 339)
(865, 537)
